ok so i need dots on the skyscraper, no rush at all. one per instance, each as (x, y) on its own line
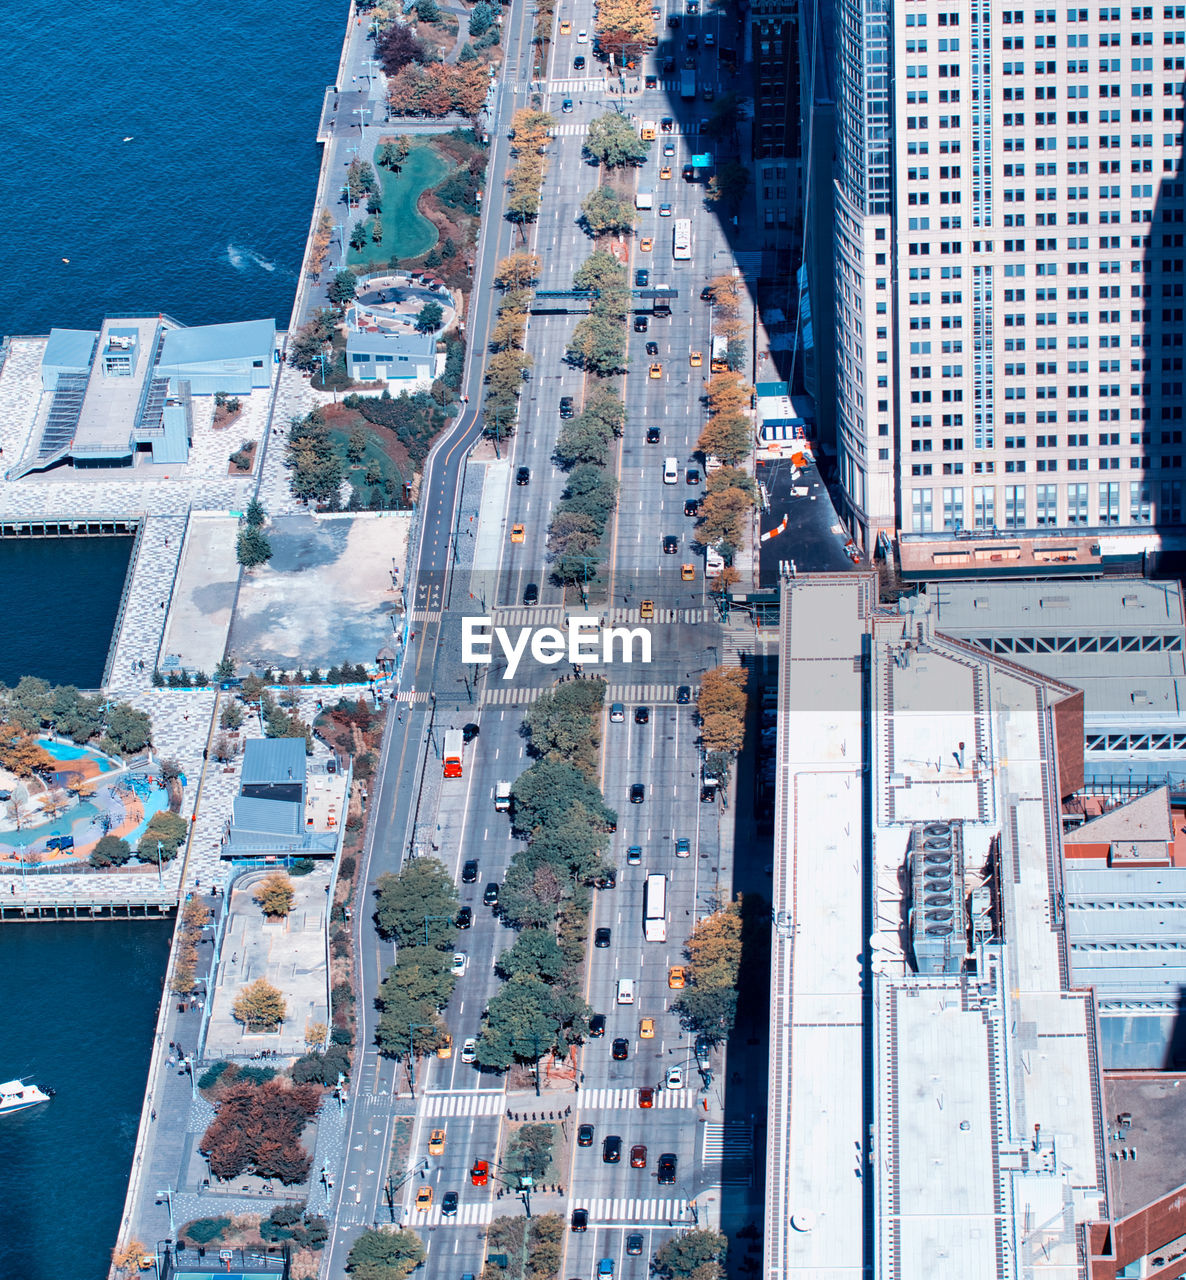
(1009, 201)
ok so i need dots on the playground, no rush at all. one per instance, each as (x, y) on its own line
(59, 816)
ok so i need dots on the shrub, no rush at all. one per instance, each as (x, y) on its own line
(203, 1230)
(213, 1073)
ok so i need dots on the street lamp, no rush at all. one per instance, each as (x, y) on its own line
(167, 1195)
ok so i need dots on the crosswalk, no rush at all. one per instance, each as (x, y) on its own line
(621, 1099)
(651, 694)
(478, 1214)
(540, 616)
(730, 1146)
(629, 1210)
(619, 616)
(554, 615)
(479, 1102)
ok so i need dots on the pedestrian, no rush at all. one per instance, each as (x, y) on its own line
(152, 1115)
(234, 957)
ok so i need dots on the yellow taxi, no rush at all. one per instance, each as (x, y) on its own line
(566, 27)
(446, 1048)
(675, 977)
(687, 572)
(424, 1198)
(665, 172)
(646, 244)
(646, 1029)
(436, 1142)
(647, 610)
(656, 370)
(518, 533)
(696, 359)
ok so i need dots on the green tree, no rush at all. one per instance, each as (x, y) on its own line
(259, 1006)
(342, 288)
(430, 317)
(604, 211)
(598, 345)
(546, 792)
(385, 1255)
(481, 18)
(317, 471)
(356, 445)
(127, 730)
(110, 851)
(255, 515)
(162, 837)
(428, 10)
(252, 548)
(530, 1149)
(423, 888)
(535, 953)
(605, 407)
(307, 344)
(358, 235)
(681, 1257)
(582, 440)
(525, 1019)
(376, 229)
(611, 140)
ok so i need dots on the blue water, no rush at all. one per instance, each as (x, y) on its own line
(78, 1010)
(203, 215)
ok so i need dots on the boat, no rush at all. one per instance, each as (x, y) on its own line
(15, 1095)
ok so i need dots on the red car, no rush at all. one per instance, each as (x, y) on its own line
(479, 1175)
(638, 1157)
(646, 1096)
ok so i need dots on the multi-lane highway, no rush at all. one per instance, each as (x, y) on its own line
(660, 753)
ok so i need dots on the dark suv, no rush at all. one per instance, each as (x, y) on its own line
(531, 593)
(490, 897)
(641, 277)
(667, 1165)
(611, 1149)
(638, 793)
(469, 873)
(523, 475)
(566, 409)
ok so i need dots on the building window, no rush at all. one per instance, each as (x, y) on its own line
(920, 500)
(1139, 502)
(983, 509)
(953, 508)
(1015, 506)
(1076, 504)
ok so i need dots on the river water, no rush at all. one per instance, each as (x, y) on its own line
(168, 153)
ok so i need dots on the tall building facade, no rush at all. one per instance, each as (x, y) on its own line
(1009, 268)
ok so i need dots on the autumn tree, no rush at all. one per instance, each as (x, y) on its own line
(624, 28)
(722, 518)
(128, 1257)
(321, 241)
(506, 371)
(510, 330)
(728, 436)
(275, 894)
(397, 46)
(726, 294)
(258, 1129)
(259, 1006)
(728, 393)
(721, 705)
(517, 271)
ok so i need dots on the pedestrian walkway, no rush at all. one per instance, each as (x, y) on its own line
(622, 1099)
(618, 616)
(467, 1215)
(655, 694)
(729, 1146)
(476, 1102)
(628, 1212)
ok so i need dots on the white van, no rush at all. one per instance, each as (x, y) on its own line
(625, 990)
(670, 470)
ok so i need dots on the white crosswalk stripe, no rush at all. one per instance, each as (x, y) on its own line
(467, 1215)
(732, 1139)
(577, 84)
(618, 1099)
(627, 1211)
(545, 615)
(512, 695)
(619, 616)
(485, 1102)
(646, 693)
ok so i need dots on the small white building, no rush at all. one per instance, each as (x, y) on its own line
(405, 358)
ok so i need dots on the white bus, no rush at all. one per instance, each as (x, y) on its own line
(681, 239)
(654, 910)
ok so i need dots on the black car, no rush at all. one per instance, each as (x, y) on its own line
(566, 409)
(692, 8)
(523, 475)
(642, 715)
(580, 1217)
(641, 278)
(465, 918)
(667, 1166)
(667, 124)
(638, 793)
(652, 348)
(584, 1135)
(469, 732)
(708, 795)
(670, 545)
(706, 293)
(597, 1026)
(621, 1050)
(578, 63)
(683, 695)
(692, 507)
(611, 1149)
(668, 65)
(490, 897)
(693, 42)
(634, 1244)
(531, 593)
(448, 1203)
(469, 873)
(693, 475)
(601, 938)
(673, 20)
(653, 435)
(640, 324)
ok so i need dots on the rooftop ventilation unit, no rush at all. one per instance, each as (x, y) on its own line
(938, 930)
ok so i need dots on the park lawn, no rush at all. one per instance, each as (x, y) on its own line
(407, 233)
(373, 456)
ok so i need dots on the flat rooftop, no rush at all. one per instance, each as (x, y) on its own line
(111, 404)
(1156, 1163)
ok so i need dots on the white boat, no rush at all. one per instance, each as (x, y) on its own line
(15, 1095)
